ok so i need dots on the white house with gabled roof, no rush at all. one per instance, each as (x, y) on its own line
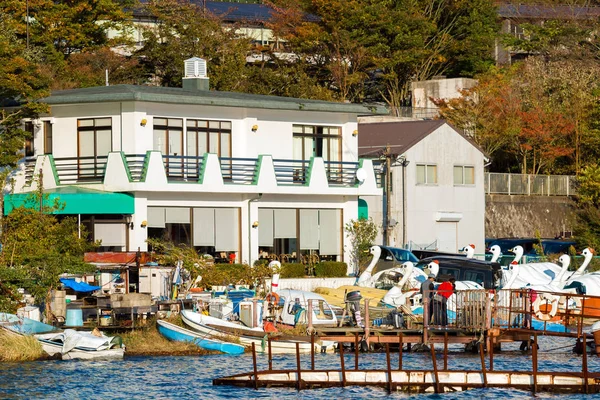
(437, 192)
(227, 173)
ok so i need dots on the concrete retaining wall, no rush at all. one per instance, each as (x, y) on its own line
(522, 216)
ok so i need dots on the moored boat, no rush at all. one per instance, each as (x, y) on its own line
(177, 333)
(215, 327)
(68, 343)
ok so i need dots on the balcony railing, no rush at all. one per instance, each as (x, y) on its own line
(529, 184)
(291, 172)
(80, 169)
(240, 171)
(195, 169)
(29, 169)
(341, 173)
(136, 164)
(182, 168)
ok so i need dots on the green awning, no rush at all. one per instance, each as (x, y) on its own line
(75, 200)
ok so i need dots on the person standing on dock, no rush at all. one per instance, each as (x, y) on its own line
(427, 293)
(440, 307)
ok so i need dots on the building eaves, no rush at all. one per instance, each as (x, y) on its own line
(400, 136)
(232, 11)
(155, 94)
(542, 11)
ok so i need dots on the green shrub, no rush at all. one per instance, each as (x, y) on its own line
(292, 270)
(331, 269)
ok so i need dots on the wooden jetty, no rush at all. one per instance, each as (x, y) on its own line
(484, 320)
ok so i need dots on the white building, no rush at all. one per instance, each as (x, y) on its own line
(223, 172)
(437, 198)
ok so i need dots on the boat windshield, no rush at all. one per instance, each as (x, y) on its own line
(403, 255)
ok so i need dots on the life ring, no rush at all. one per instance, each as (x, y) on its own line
(546, 315)
(272, 298)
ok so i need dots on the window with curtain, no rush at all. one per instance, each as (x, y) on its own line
(29, 149)
(210, 137)
(427, 174)
(464, 175)
(168, 139)
(47, 137)
(94, 137)
(319, 141)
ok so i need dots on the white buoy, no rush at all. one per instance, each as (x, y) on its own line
(275, 266)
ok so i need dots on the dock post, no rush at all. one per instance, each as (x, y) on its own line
(356, 351)
(436, 386)
(367, 323)
(445, 351)
(254, 365)
(584, 365)
(483, 371)
(310, 315)
(534, 362)
(389, 367)
(491, 350)
(298, 368)
(341, 348)
(426, 318)
(312, 351)
(400, 352)
(270, 353)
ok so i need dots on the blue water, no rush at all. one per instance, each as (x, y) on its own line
(191, 377)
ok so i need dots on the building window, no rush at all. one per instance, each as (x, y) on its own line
(47, 137)
(464, 175)
(427, 174)
(210, 137)
(318, 141)
(94, 137)
(29, 150)
(168, 139)
(300, 235)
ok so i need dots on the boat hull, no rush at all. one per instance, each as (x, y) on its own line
(207, 325)
(52, 349)
(179, 334)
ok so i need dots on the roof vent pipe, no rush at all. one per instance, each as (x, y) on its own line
(195, 77)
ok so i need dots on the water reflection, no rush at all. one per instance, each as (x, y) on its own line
(191, 377)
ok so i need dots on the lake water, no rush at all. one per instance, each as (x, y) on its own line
(191, 377)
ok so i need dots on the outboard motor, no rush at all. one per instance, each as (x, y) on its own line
(353, 306)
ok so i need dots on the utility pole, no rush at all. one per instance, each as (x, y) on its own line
(388, 190)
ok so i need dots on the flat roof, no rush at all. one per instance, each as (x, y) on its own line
(158, 94)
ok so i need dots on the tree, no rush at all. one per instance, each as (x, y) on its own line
(587, 228)
(70, 26)
(362, 234)
(21, 85)
(372, 50)
(38, 248)
(186, 30)
(90, 68)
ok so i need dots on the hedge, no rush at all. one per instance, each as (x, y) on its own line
(331, 269)
(292, 270)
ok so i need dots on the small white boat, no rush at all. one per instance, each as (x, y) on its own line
(216, 327)
(70, 344)
(79, 345)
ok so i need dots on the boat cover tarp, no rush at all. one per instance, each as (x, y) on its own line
(79, 286)
(71, 339)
